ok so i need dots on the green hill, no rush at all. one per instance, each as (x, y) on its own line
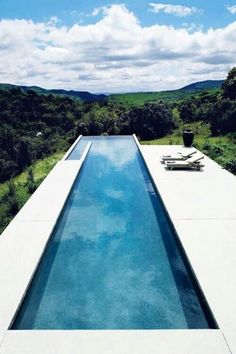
(129, 99)
(140, 98)
(203, 85)
(79, 95)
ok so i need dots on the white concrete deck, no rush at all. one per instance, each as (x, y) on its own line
(114, 342)
(201, 206)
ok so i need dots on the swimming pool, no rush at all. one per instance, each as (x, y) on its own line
(113, 261)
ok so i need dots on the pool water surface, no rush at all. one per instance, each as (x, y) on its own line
(113, 261)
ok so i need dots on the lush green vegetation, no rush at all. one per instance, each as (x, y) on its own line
(141, 98)
(77, 95)
(173, 96)
(130, 99)
(35, 128)
(222, 149)
(204, 85)
(32, 127)
(212, 116)
(15, 192)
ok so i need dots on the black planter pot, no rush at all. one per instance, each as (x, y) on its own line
(188, 136)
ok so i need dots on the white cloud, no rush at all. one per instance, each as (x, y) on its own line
(232, 9)
(115, 54)
(53, 21)
(192, 27)
(177, 10)
(96, 11)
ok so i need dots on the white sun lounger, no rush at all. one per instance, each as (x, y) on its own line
(189, 164)
(181, 156)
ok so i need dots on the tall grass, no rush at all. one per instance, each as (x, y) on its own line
(14, 193)
(222, 149)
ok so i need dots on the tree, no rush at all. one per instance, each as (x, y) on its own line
(8, 169)
(229, 86)
(222, 117)
(30, 183)
(151, 121)
(188, 111)
(23, 154)
(12, 200)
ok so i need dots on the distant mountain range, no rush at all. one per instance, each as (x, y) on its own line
(90, 97)
(81, 95)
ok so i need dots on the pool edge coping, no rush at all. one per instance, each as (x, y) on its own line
(69, 151)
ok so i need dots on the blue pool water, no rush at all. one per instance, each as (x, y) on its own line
(113, 261)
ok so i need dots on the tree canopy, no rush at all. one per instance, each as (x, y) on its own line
(229, 86)
(34, 125)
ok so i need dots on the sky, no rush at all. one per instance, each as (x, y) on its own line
(116, 46)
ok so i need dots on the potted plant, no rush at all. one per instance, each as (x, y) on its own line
(188, 136)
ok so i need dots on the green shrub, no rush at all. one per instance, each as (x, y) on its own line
(207, 146)
(230, 165)
(11, 188)
(213, 150)
(12, 199)
(30, 182)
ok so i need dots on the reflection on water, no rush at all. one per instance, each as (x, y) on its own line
(113, 261)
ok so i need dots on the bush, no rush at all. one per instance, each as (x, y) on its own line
(23, 154)
(12, 200)
(213, 150)
(30, 183)
(230, 165)
(7, 169)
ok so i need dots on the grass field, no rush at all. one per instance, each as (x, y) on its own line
(222, 149)
(40, 171)
(139, 99)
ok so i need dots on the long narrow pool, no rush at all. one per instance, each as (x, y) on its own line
(113, 261)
